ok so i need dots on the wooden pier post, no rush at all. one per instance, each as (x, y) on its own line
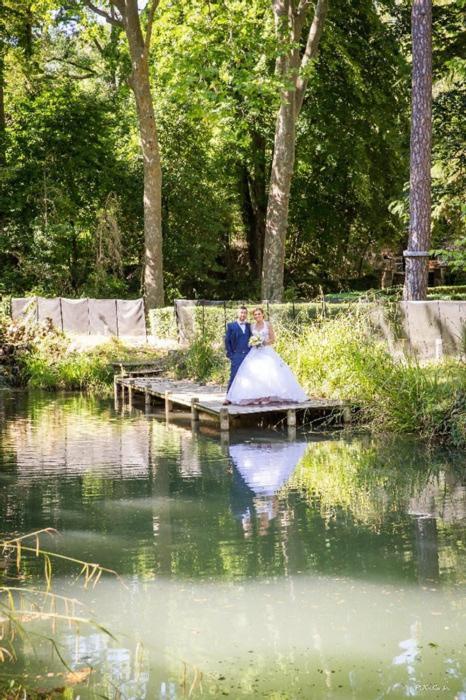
(225, 443)
(147, 401)
(346, 415)
(194, 409)
(168, 406)
(116, 392)
(291, 418)
(224, 419)
(130, 396)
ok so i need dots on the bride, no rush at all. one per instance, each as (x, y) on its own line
(263, 377)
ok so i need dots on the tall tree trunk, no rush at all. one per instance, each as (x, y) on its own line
(290, 20)
(276, 226)
(139, 80)
(416, 256)
(2, 111)
(2, 89)
(140, 84)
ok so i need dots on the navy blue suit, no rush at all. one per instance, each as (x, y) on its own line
(236, 346)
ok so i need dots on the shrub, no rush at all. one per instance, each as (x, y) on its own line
(342, 358)
(162, 323)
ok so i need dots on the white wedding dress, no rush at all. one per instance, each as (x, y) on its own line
(263, 377)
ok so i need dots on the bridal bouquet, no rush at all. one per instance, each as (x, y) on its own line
(255, 341)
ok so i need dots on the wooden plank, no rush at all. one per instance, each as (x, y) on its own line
(208, 399)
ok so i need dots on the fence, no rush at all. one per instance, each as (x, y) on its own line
(112, 317)
(188, 318)
(428, 329)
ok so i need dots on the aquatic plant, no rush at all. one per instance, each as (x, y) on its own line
(25, 608)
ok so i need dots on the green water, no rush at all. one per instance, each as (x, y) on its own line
(321, 567)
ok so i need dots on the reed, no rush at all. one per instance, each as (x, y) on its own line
(23, 608)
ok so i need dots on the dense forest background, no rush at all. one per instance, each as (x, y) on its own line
(71, 206)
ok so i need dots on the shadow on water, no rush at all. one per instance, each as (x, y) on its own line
(316, 567)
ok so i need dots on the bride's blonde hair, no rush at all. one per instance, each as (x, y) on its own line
(258, 308)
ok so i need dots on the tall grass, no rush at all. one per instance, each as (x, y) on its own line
(54, 365)
(343, 358)
(25, 609)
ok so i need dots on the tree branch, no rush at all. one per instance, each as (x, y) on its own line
(303, 7)
(150, 21)
(98, 45)
(111, 19)
(69, 62)
(120, 6)
(310, 52)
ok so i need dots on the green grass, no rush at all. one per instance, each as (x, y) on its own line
(342, 358)
(52, 366)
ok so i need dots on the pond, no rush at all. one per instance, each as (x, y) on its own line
(321, 567)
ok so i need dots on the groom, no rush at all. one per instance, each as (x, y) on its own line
(236, 341)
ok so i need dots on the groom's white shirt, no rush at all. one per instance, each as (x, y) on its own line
(242, 326)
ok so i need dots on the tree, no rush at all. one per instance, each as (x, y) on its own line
(125, 14)
(421, 143)
(63, 172)
(2, 86)
(351, 155)
(292, 66)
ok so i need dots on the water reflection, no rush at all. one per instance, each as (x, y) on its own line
(313, 568)
(260, 470)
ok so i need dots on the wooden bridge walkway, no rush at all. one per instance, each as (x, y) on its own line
(208, 399)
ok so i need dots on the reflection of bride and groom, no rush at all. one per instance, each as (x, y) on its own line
(260, 470)
(258, 374)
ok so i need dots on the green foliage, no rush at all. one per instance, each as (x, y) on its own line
(64, 369)
(351, 153)
(204, 362)
(63, 167)
(342, 358)
(47, 359)
(71, 188)
(73, 156)
(162, 323)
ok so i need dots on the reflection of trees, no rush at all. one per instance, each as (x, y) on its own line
(427, 549)
(372, 479)
(390, 483)
(148, 499)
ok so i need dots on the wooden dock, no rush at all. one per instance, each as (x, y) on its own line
(208, 399)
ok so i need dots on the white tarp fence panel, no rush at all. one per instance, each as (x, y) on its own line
(119, 317)
(50, 308)
(24, 308)
(75, 314)
(131, 317)
(103, 317)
